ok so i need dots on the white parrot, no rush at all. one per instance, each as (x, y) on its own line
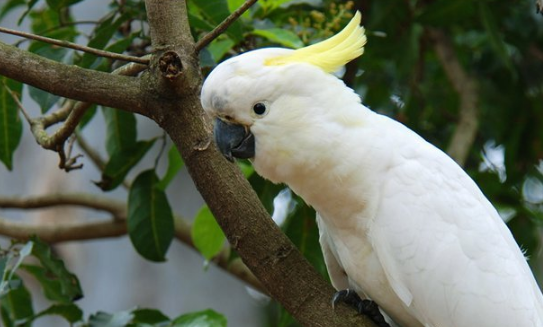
(400, 222)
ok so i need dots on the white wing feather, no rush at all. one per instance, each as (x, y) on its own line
(444, 248)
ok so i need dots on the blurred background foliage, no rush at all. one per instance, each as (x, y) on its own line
(498, 44)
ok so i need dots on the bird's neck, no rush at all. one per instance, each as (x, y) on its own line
(324, 163)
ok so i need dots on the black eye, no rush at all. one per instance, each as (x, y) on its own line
(259, 108)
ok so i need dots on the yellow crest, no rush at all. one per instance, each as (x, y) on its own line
(331, 53)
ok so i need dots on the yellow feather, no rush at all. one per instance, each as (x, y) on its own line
(331, 53)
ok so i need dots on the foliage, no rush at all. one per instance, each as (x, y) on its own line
(62, 289)
(399, 75)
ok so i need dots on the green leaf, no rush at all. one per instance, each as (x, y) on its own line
(246, 168)
(101, 37)
(11, 128)
(16, 306)
(496, 41)
(218, 48)
(121, 163)
(121, 132)
(302, 230)
(3, 264)
(55, 270)
(30, 5)
(280, 36)
(175, 163)
(44, 99)
(103, 319)
(46, 22)
(150, 218)
(71, 312)
(206, 234)
(216, 11)
(87, 117)
(233, 5)
(25, 251)
(9, 6)
(59, 4)
(149, 316)
(52, 288)
(445, 12)
(205, 318)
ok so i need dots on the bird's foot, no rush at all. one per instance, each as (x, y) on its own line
(365, 307)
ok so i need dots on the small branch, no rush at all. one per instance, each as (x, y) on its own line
(63, 232)
(209, 37)
(466, 87)
(116, 208)
(57, 139)
(66, 44)
(55, 233)
(132, 69)
(18, 102)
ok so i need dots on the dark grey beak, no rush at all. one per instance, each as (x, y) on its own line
(233, 140)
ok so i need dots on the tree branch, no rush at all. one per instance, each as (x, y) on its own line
(63, 232)
(167, 30)
(264, 248)
(72, 82)
(219, 29)
(466, 86)
(271, 256)
(116, 208)
(66, 44)
(56, 233)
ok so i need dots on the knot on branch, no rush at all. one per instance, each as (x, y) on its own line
(170, 65)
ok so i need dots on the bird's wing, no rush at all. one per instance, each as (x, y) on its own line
(444, 248)
(335, 271)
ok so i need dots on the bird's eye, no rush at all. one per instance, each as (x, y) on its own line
(259, 109)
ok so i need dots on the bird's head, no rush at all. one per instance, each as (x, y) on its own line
(274, 90)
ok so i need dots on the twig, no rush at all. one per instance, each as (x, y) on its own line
(204, 41)
(66, 44)
(466, 87)
(18, 102)
(133, 68)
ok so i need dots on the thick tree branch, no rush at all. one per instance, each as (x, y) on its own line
(72, 82)
(466, 86)
(167, 30)
(66, 44)
(219, 29)
(264, 248)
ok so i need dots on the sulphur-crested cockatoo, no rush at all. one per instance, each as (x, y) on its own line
(400, 222)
